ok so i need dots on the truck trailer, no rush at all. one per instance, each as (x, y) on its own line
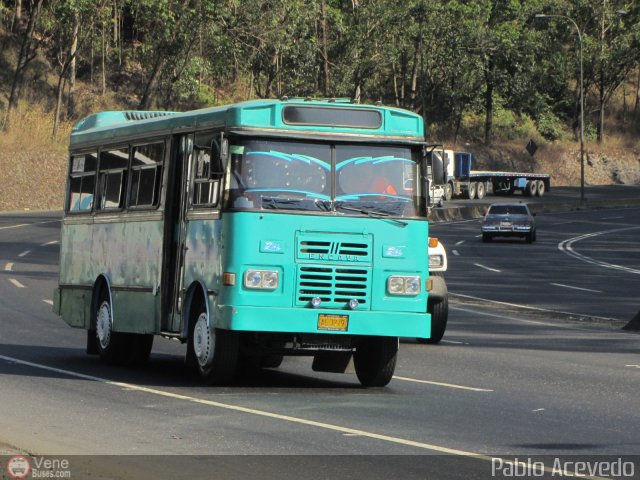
(453, 171)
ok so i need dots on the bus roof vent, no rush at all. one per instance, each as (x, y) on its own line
(110, 119)
(142, 115)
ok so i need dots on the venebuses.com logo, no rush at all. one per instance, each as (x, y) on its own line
(18, 467)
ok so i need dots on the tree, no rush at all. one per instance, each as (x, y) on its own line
(27, 53)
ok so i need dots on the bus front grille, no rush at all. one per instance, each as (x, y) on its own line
(334, 285)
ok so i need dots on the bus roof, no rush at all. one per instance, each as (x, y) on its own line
(268, 116)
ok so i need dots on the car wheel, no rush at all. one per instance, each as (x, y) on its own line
(486, 237)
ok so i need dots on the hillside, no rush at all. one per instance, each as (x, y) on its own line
(33, 163)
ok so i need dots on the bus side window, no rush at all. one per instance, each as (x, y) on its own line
(112, 178)
(82, 182)
(205, 189)
(146, 175)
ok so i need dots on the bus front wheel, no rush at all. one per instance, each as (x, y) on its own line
(375, 360)
(215, 351)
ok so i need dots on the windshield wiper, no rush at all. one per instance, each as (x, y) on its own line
(275, 203)
(371, 213)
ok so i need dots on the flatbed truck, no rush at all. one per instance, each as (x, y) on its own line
(453, 171)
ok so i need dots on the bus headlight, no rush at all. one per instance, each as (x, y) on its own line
(403, 285)
(261, 279)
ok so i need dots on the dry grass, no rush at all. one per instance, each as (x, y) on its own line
(33, 167)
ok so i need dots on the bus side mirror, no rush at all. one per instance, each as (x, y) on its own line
(219, 156)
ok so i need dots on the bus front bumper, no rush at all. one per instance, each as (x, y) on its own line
(309, 320)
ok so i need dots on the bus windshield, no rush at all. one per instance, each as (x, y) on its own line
(321, 177)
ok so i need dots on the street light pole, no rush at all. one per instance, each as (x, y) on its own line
(540, 15)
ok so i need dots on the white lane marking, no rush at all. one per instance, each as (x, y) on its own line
(28, 224)
(563, 223)
(16, 283)
(262, 413)
(575, 288)
(566, 246)
(53, 242)
(8, 267)
(26, 252)
(611, 218)
(459, 243)
(538, 410)
(456, 253)
(478, 236)
(529, 307)
(633, 366)
(487, 268)
(440, 384)
(522, 320)
(50, 302)
(252, 411)
(454, 342)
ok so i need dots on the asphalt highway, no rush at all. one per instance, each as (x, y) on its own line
(511, 378)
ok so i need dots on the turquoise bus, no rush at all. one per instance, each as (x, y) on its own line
(249, 232)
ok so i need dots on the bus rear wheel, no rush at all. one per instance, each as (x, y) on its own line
(375, 360)
(215, 351)
(113, 347)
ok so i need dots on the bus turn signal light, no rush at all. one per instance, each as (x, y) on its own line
(229, 279)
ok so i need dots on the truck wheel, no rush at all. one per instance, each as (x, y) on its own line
(448, 191)
(471, 190)
(215, 350)
(541, 188)
(439, 314)
(531, 189)
(375, 360)
(480, 190)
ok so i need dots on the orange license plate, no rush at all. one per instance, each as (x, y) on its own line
(334, 323)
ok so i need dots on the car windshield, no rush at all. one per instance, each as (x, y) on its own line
(345, 178)
(508, 210)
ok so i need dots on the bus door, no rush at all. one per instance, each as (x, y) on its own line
(175, 231)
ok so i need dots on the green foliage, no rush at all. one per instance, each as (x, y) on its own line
(550, 126)
(471, 67)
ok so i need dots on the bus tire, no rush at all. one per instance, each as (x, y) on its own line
(215, 350)
(541, 188)
(113, 347)
(375, 360)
